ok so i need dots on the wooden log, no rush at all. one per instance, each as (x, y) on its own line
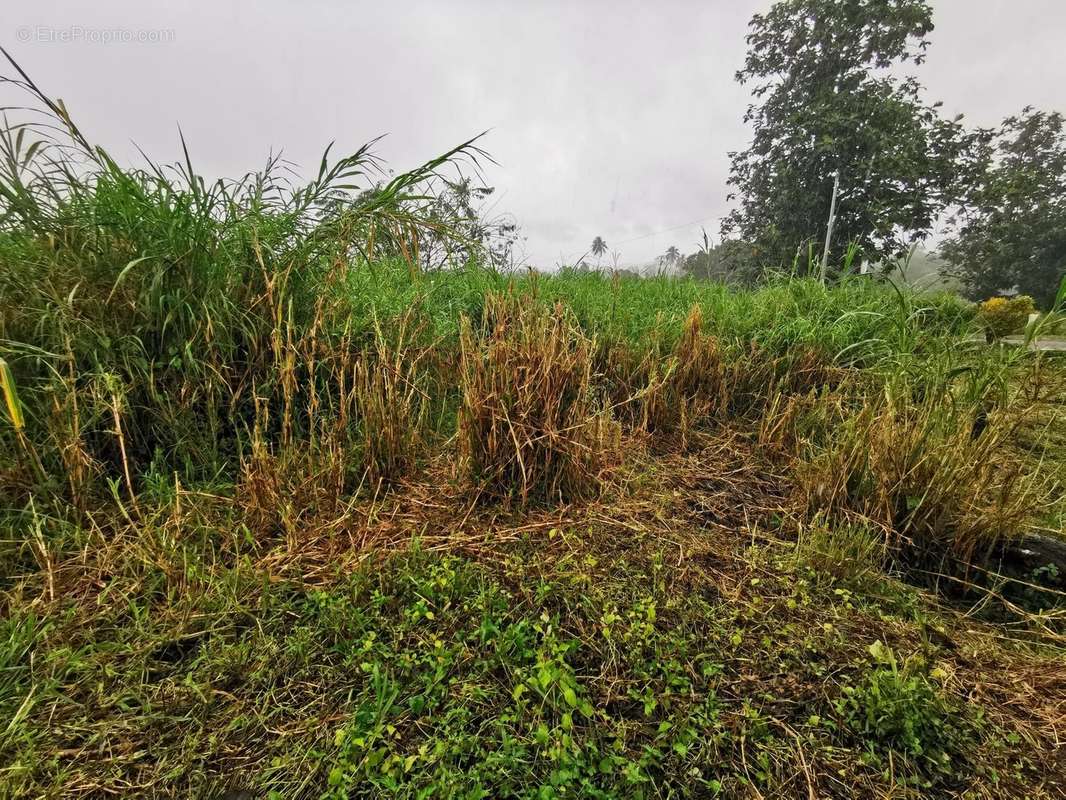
(1035, 551)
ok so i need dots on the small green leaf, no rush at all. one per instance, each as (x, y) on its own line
(570, 696)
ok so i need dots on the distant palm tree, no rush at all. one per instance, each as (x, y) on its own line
(599, 247)
(671, 257)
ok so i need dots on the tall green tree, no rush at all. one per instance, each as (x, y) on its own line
(828, 99)
(1011, 231)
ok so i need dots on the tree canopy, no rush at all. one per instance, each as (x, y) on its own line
(1011, 231)
(826, 102)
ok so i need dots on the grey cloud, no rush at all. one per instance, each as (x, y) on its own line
(607, 118)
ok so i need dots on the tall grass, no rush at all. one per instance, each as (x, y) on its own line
(150, 315)
(938, 477)
(530, 424)
(286, 341)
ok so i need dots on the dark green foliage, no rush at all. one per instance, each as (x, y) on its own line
(898, 707)
(731, 261)
(1011, 232)
(826, 104)
(457, 209)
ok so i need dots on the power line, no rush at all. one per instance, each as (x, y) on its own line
(664, 230)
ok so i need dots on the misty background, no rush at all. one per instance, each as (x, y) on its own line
(606, 118)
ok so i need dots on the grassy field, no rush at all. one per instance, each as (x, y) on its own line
(285, 515)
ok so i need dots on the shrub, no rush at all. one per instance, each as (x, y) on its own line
(1002, 316)
(529, 424)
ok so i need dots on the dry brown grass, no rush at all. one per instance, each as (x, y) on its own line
(530, 424)
(280, 493)
(390, 402)
(940, 482)
(701, 379)
(357, 422)
(690, 385)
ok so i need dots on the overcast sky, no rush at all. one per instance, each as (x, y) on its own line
(607, 118)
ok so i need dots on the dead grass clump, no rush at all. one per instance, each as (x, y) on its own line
(365, 426)
(670, 393)
(939, 480)
(664, 388)
(788, 421)
(758, 378)
(530, 426)
(698, 384)
(631, 372)
(390, 404)
(279, 492)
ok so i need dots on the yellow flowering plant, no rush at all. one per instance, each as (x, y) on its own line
(1002, 316)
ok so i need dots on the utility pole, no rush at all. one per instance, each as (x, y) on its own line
(829, 227)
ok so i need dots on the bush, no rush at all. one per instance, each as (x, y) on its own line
(1002, 316)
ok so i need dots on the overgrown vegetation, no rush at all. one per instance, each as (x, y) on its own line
(1009, 231)
(284, 513)
(831, 110)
